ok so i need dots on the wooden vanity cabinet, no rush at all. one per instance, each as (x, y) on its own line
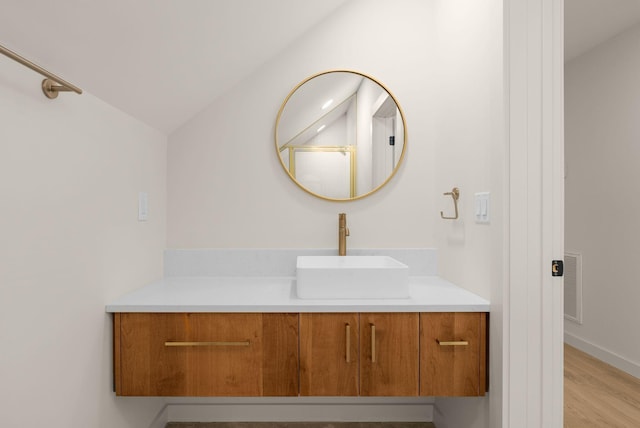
(381, 347)
(308, 354)
(206, 354)
(389, 354)
(329, 354)
(453, 349)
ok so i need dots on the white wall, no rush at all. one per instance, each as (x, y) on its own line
(70, 173)
(470, 150)
(602, 184)
(446, 74)
(245, 199)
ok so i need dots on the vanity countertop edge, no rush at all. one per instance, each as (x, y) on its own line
(278, 294)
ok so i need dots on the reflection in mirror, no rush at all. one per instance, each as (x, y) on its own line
(340, 135)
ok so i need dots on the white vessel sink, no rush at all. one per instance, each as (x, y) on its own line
(351, 277)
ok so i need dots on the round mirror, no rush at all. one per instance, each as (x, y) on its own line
(340, 135)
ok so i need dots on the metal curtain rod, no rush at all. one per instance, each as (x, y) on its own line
(52, 84)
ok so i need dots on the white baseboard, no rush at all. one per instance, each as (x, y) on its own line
(412, 410)
(603, 354)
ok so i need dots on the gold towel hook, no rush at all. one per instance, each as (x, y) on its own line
(455, 194)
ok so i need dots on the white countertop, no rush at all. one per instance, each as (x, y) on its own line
(278, 294)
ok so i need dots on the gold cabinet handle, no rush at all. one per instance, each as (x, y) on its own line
(184, 344)
(347, 331)
(373, 343)
(452, 342)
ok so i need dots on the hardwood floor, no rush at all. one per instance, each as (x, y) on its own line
(303, 425)
(598, 395)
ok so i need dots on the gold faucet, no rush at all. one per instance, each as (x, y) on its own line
(343, 232)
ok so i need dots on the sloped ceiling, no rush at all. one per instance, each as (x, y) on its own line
(589, 23)
(161, 61)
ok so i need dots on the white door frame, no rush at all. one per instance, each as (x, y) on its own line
(532, 383)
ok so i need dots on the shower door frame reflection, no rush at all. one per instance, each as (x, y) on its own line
(347, 150)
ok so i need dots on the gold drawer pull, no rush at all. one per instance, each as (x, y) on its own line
(373, 343)
(245, 343)
(452, 343)
(348, 344)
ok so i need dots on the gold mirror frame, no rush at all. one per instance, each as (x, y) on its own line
(348, 149)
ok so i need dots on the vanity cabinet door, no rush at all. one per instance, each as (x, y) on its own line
(329, 354)
(389, 354)
(204, 354)
(452, 354)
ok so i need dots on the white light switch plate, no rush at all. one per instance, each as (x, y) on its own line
(481, 207)
(143, 206)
